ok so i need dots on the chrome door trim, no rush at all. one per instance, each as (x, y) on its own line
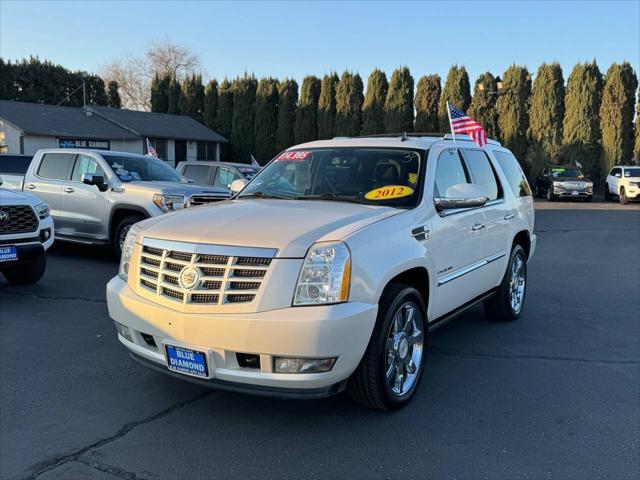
(469, 268)
(453, 211)
(210, 249)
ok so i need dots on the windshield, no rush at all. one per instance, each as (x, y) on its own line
(376, 176)
(145, 168)
(560, 172)
(632, 172)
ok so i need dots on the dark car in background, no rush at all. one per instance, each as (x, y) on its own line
(563, 181)
(218, 174)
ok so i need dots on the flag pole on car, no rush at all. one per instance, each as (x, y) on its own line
(462, 123)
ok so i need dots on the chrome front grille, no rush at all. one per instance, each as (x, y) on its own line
(17, 219)
(196, 200)
(231, 277)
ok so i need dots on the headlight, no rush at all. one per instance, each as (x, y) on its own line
(127, 250)
(167, 203)
(325, 275)
(42, 209)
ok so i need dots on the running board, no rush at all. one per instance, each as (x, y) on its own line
(81, 241)
(446, 318)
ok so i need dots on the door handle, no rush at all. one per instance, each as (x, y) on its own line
(509, 216)
(68, 189)
(477, 226)
(30, 186)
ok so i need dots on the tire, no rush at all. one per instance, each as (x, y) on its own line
(387, 351)
(120, 232)
(500, 307)
(623, 197)
(550, 196)
(27, 273)
(607, 193)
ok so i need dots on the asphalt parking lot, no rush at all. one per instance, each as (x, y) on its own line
(553, 395)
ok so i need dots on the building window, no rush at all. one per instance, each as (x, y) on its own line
(206, 151)
(160, 144)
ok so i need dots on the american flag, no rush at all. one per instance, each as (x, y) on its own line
(150, 150)
(461, 123)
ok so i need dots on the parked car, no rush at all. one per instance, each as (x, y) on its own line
(623, 181)
(12, 168)
(330, 269)
(218, 174)
(95, 195)
(26, 233)
(563, 181)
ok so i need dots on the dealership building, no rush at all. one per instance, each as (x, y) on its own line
(28, 127)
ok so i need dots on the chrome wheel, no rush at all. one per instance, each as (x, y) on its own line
(123, 235)
(517, 283)
(405, 342)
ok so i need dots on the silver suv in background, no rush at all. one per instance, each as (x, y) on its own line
(218, 174)
(95, 196)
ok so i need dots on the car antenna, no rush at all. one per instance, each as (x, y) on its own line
(403, 138)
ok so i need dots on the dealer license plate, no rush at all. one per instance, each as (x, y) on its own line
(184, 360)
(8, 254)
(575, 193)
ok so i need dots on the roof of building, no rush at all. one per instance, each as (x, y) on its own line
(160, 125)
(103, 123)
(50, 120)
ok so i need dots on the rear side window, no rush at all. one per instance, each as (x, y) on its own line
(449, 171)
(514, 173)
(482, 172)
(14, 164)
(56, 165)
(197, 173)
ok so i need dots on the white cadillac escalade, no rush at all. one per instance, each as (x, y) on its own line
(330, 268)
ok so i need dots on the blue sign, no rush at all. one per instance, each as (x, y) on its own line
(183, 360)
(8, 254)
(82, 143)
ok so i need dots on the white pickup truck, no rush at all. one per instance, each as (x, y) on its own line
(330, 268)
(26, 233)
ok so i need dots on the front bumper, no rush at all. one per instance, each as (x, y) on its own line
(341, 331)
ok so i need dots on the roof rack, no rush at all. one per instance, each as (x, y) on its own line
(403, 136)
(467, 138)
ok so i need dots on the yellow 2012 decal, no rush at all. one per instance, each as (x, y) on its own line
(388, 192)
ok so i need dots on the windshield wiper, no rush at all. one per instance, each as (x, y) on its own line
(330, 197)
(266, 195)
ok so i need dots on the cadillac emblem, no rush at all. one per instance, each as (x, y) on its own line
(189, 277)
(4, 217)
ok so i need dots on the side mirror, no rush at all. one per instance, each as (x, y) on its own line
(94, 179)
(618, 175)
(237, 185)
(462, 195)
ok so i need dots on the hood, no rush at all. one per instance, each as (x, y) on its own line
(291, 226)
(10, 197)
(175, 188)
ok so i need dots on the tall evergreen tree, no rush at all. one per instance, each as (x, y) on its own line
(113, 97)
(513, 111)
(306, 126)
(456, 91)
(327, 106)
(225, 116)
(636, 149)
(288, 99)
(243, 124)
(426, 103)
(581, 125)
(547, 113)
(398, 106)
(349, 99)
(373, 106)
(211, 105)
(483, 104)
(174, 97)
(160, 93)
(191, 101)
(616, 115)
(266, 119)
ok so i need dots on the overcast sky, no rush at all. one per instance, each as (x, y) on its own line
(297, 38)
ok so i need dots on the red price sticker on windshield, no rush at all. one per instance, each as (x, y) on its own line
(295, 156)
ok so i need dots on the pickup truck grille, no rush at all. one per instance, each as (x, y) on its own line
(17, 219)
(220, 279)
(196, 200)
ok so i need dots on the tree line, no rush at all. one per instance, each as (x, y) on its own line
(36, 81)
(588, 118)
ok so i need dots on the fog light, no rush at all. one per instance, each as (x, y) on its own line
(45, 234)
(124, 331)
(303, 365)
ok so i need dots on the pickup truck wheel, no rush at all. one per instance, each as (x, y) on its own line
(508, 302)
(27, 273)
(623, 197)
(550, 196)
(392, 365)
(121, 233)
